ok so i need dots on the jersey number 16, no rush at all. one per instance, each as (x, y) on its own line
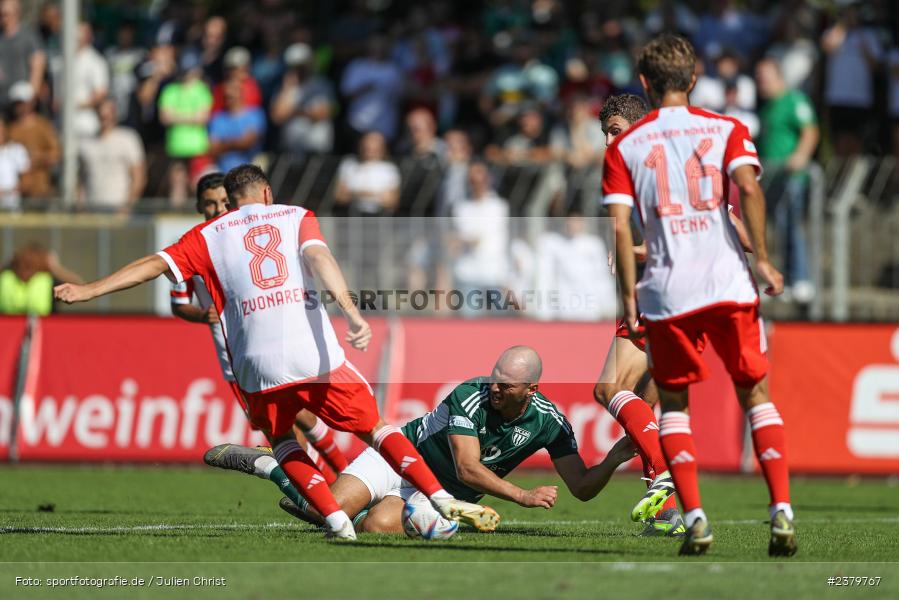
(695, 172)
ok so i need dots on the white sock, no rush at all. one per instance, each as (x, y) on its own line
(441, 494)
(317, 431)
(263, 466)
(336, 520)
(696, 513)
(784, 506)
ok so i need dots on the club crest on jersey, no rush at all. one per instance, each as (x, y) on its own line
(520, 436)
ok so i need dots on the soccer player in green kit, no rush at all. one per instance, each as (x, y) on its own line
(484, 428)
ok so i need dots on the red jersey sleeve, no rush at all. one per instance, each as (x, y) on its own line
(186, 257)
(617, 185)
(310, 232)
(740, 150)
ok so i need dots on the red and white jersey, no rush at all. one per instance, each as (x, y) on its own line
(182, 293)
(674, 165)
(251, 259)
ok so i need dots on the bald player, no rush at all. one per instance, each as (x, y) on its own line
(481, 431)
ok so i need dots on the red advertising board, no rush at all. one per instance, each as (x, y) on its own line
(130, 389)
(12, 330)
(837, 387)
(473, 347)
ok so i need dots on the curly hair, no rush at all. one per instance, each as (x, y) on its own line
(668, 64)
(629, 107)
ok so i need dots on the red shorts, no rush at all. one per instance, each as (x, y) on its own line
(621, 331)
(341, 398)
(674, 346)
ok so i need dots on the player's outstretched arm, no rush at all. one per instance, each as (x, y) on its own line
(467, 457)
(142, 270)
(627, 265)
(327, 271)
(752, 200)
(585, 483)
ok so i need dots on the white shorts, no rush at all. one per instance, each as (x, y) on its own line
(379, 477)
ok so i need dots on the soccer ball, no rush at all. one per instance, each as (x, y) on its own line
(421, 520)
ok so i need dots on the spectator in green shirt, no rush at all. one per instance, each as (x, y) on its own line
(184, 109)
(788, 140)
(26, 284)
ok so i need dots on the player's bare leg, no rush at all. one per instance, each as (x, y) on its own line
(624, 374)
(384, 517)
(403, 458)
(769, 442)
(680, 455)
(321, 437)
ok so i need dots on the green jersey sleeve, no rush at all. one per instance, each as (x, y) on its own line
(463, 402)
(564, 443)
(803, 112)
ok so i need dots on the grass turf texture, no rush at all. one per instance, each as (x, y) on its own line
(123, 516)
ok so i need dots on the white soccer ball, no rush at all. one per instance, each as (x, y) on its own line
(421, 520)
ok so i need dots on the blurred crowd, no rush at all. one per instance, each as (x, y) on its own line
(167, 91)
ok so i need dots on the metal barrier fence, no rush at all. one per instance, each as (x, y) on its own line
(851, 225)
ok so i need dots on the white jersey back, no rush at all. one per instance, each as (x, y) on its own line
(182, 293)
(674, 165)
(276, 329)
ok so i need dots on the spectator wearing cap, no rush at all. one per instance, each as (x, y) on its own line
(237, 69)
(13, 162)
(90, 83)
(184, 108)
(236, 133)
(21, 55)
(113, 165)
(304, 105)
(36, 133)
(373, 85)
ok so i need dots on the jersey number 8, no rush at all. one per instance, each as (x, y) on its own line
(267, 252)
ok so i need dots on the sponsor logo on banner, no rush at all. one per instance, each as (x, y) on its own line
(874, 416)
(520, 436)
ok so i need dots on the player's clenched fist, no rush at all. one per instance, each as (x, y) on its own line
(540, 497)
(71, 292)
(771, 276)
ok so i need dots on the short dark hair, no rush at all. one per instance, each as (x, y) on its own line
(668, 64)
(240, 178)
(629, 107)
(209, 181)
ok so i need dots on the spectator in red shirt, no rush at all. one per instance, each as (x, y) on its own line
(237, 68)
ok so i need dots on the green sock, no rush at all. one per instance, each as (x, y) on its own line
(279, 478)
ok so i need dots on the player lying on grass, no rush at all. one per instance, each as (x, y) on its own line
(260, 263)
(485, 428)
(212, 202)
(625, 374)
(674, 167)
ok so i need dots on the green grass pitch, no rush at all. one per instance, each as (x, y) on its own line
(177, 522)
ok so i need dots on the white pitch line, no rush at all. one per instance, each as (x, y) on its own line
(297, 527)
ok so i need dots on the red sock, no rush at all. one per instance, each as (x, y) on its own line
(320, 464)
(640, 425)
(769, 441)
(680, 454)
(322, 438)
(400, 454)
(308, 480)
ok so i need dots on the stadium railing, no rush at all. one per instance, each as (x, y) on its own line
(852, 227)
